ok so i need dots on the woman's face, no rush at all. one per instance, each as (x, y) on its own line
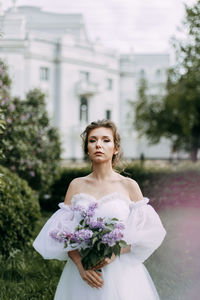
(101, 145)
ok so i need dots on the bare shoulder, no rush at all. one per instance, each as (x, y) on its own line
(74, 188)
(133, 188)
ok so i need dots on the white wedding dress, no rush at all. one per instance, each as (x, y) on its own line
(126, 278)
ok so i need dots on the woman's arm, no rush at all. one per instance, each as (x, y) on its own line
(90, 276)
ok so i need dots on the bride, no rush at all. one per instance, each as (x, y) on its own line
(124, 277)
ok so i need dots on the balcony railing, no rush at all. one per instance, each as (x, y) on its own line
(86, 88)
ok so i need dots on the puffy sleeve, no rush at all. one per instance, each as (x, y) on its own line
(144, 230)
(62, 219)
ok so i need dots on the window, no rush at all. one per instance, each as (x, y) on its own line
(84, 76)
(142, 73)
(83, 109)
(109, 84)
(158, 73)
(108, 114)
(44, 73)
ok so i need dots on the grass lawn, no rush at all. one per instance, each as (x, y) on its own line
(27, 276)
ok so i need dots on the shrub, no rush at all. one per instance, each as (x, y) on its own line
(61, 183)
(5, 83)
(19, 213)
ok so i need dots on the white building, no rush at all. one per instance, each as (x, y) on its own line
(82, 80)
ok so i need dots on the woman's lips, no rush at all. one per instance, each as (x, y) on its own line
(98, 152)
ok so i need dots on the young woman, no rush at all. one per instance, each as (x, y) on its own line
(123, 277)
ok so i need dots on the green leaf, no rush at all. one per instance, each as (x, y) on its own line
(122, 244)
(99, 246)
(81, 222)
(94, 240)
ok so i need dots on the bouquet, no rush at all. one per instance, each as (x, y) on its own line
(95, 238)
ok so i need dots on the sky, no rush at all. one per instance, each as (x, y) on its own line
(138, 26)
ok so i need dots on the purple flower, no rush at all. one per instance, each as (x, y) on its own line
(81, 235)
(90, 213)
(56, 235)
(78, 208)
(96, 224)
(32, 173)
(11, 107)
(112, 237)
(120, 226)
(93, 206)
(22, 118)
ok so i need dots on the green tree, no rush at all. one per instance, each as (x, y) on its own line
(177, 115)
(5, 83)
(31, 146)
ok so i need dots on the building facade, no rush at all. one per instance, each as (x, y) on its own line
(83, 81)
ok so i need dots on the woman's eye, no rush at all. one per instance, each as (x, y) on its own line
(106, 141)
(91, 141)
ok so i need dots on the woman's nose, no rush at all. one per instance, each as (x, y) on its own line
(98, 144)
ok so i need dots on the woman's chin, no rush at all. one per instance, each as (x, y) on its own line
(99, 160)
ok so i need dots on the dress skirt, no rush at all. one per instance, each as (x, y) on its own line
(122, 281)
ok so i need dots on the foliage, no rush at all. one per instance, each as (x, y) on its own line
(148, 114)
(19, 212)
(5, 83)
(60, 185)
(30, 144)
(177, 116)
(26, 275)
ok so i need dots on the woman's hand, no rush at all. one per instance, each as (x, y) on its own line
(91, 277)
(106, 261)
(125, 249)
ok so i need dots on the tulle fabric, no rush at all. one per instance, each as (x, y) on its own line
(62, 219)
(144, 230)
(126, 278)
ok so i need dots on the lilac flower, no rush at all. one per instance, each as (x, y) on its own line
(89, 213)
(81, 235)
(11, 107)
(32, 173)
(93, 206)
(95, 224)
(112, 237)
(22, 118)
(78, 208)
(120, 226)
(56, 235)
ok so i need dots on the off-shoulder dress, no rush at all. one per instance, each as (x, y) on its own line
(126, 278)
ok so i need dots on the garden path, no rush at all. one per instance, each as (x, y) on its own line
(175, 266)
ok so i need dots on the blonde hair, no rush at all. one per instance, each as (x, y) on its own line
(116, 137)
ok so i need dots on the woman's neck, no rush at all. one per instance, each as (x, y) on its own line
(102, 171)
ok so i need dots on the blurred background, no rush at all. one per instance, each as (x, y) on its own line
(64, 65)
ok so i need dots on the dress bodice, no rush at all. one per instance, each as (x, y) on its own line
(109, 206)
